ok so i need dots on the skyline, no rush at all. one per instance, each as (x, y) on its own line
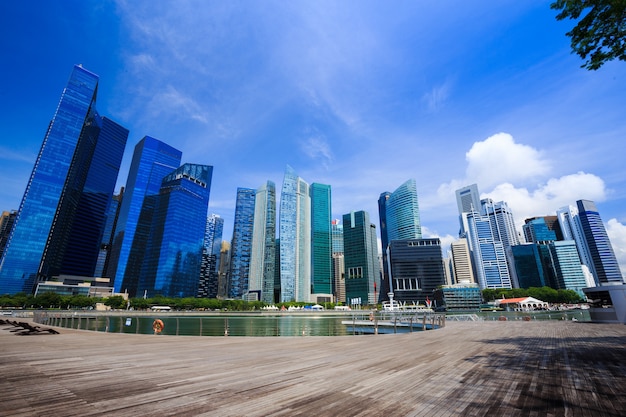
(349, 94)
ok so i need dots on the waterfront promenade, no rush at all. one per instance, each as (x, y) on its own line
(515, 368)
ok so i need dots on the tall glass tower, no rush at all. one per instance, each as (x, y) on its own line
(208, 285)
(263, 259)
(295, 238)
(241, 249)
(321, 250)
(152, 161)
(362, 270)
(174, 250)
(399, 220)
(604, 265)
(59, 225)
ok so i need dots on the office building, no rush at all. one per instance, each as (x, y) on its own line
(107, 238)
(459, 297)
(362, 273)
(295, 238)
(241, 244)
(565, 267)
(537, 229)
(173, 254)
(152, 161)
(416, 269)
(603, 265)
(263, 257)
(462, 262)
(6, 225)
(209, 273)
(59, 225)
(399, 219)
(528, 268)
(321, 248)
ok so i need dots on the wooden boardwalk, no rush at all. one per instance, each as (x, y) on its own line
(465, 369)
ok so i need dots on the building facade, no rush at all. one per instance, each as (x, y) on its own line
(152, 161)
(399, 219)
(295, 238)
(362, 273)
(56, 231)
(416, 269)
(209, 269)
(241, 244)
(263, 258)
(321, 247)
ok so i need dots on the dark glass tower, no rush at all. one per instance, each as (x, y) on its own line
(241, 249)
(604, 265)
(60, 222)
(360, 258)
(173, 256)
(207, 287)
(321, 248)
(152, 161)
(416, 269)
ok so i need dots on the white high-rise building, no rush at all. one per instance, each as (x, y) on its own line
(295, 238)
(462, 262)
(263, 256)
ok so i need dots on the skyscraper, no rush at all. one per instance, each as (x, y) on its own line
(399, 219)
(6, 225)
(59, 225)
(263, 258)
(173, 256)
(604, 266)
(488, 251)
(468, 199)
(209, 273)
(295, 238)
(152, 161)
(241, 245)
(362, 271)
(416, 269)
(462, 262)
(537, 230)
(321, 248)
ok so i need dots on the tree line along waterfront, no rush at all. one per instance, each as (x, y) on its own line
(50, 300)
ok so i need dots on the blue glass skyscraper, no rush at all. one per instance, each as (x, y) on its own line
(604, 265)
(171, 266)
(59, 225)
(152, 161)
(399, 219)
(241, 245)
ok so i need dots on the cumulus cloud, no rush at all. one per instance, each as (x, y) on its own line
(617, 234)
(519, 175)
(500, 159)
(546, 198)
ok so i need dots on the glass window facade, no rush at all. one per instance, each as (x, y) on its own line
(152, 161)
(321, 250)
(241, 245)
(65, 203)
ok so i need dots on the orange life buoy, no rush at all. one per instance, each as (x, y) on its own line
(157, 326)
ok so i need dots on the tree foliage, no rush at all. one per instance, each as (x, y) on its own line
(547, 294)
(599, 36)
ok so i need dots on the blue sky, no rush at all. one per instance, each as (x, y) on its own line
(361, 95)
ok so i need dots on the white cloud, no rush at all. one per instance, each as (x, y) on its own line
(500, 159)
(546, 198)
(316, 147)
(437, 97)
(617, 234)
